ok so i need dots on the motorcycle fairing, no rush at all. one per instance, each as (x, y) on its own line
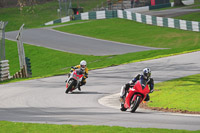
(138, 89)
(76, 75)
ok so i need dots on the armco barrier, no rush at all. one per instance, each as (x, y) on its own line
(147, 19)
(160, 21)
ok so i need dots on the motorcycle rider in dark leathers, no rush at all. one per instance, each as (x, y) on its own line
(146, 75)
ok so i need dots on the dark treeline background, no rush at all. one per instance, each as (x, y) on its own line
(16, 3)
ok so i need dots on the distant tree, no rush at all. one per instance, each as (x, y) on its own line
(2, 3)
(30, 3)
(21, 4)
(178, 3)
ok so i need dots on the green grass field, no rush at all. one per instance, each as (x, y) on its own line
(18, 127)
(57, 62)
(131, 32)
(42, 14)
(180, 94)
(39, 14)
(127, 31)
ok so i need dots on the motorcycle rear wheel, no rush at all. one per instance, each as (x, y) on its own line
(135, 103)
(72, 83)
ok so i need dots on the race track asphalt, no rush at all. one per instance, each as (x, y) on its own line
(47, 37)
(44, 100)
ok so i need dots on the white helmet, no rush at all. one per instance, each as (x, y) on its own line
(83, 64)
(147, 73)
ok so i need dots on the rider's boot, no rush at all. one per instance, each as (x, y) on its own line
(121, 99)
(122, 94)
(79, 87)
(147, 98)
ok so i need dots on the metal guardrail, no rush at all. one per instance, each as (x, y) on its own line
(147, 19)
(2, 40)
(21, 52)
(4, 66)
(20, 47)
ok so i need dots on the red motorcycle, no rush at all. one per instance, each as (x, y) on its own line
(135, 96)
(74, 80)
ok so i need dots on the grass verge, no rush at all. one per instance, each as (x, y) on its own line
(191, 17)
(47, 62)
(131, 32)
(16, 127)
(180, 95)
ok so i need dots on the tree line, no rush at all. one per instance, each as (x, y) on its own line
(22, 3)
(19, 3)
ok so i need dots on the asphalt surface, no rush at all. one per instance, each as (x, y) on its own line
(44, 100)
(47, 37)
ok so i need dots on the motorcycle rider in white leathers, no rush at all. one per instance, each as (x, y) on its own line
(82, 66)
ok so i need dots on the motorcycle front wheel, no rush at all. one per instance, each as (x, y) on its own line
(135, 103)
(72, 84)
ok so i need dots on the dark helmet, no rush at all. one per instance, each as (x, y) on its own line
(147, 73)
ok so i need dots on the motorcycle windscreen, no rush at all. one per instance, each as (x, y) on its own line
(79, 72)
(141, 87)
